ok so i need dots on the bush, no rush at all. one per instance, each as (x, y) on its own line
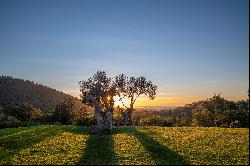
(22, 112)
(88, 121)
(62, 113)
(36, 115)
(8, 121)
(79, 116)
(203, 118)
(155, 120)
(47, 117)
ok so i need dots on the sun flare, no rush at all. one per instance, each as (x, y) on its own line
(120, 102)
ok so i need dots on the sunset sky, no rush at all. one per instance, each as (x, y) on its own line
(189, 48)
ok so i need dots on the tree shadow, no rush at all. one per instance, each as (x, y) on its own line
(161, 154)
(17, 142)
(99, 151)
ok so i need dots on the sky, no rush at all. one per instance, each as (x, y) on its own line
(190, 49)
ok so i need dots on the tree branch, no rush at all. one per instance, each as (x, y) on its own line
(95, 102)
(136, 98)
(123, 102)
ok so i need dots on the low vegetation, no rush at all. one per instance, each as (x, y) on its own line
(68, 144)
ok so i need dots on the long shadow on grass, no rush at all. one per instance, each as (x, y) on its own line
(99, 151)
(161, 154)
(15, 143)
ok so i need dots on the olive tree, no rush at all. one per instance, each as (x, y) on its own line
(98, 92)
(132, 88)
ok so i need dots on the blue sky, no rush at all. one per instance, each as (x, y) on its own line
(189, 48)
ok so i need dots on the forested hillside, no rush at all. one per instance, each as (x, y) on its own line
(14, 90)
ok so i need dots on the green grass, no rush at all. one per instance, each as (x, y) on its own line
(54, 144)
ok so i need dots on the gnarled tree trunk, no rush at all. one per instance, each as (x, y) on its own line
(104, 119)
(99, 127)
(108, 119)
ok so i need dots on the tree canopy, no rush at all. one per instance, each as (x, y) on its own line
(134, 87)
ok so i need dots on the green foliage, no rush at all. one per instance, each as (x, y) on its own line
(36, 115)
(202, 117)
(101, 88)
(182, 120)
(216, 111)
(89, 120)
(133, 87)
(22, 112)
(63, 112)
(78, 117)
(243, 112)
(213, 112)
(155, 120)
(21, 115)
(7, 121)
(69, 145)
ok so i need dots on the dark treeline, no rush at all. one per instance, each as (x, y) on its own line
(213, 112)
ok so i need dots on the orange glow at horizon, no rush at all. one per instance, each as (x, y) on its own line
(164, 102)
(161, 101)
(175, 101)
(171, 100)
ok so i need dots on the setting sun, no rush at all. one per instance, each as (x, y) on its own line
(121, 101)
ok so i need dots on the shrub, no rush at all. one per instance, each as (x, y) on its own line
(79, 116)
(155, 120)
(36, 115)
(203, 118)
(62, 113)
(87, 121)
(8, 121)
(22, 112)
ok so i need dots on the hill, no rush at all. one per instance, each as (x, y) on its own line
(14, 90)
(52, 144)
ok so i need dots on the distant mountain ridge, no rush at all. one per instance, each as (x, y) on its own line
(15, 90)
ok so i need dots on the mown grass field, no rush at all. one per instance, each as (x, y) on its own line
(54, 144)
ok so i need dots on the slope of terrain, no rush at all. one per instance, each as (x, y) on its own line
(14, 90)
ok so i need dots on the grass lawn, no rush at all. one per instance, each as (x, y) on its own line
(58, 144)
